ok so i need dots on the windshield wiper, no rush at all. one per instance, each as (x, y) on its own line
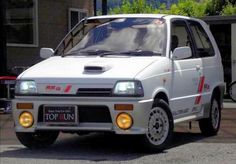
(87, 53)
(96, 52)
(141, 53)
(132, 53)
(103, 53)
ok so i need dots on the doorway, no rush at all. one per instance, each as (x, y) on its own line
(222, 35)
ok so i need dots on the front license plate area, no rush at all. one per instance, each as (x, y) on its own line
(60, 114)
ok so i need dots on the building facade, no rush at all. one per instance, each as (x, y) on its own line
(33, 24)
(223, 29)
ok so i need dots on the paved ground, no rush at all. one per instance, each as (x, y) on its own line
(189, 146)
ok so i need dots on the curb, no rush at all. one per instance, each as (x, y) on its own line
(229, 105)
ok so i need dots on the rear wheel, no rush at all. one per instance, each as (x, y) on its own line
(210, 126)
(160, 127)
(232, 91)
(39, 139)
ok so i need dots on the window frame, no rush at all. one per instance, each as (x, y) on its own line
(69, 16)
(35, 29)
(194, 54)
(194, 42)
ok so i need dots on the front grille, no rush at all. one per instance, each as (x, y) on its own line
(87, 113)
(94, 114)
(94, 92)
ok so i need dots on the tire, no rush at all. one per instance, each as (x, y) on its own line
(210, 126)
(82, 133)
(160, 127)
(39, 139)
(232, 91)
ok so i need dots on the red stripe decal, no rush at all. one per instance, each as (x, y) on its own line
(197, 100)
(200, 89)
(67, 89)
(201, 84)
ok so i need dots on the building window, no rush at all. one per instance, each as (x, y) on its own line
(75, 16)
(21, 22)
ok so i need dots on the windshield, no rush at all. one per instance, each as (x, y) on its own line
(129, 36)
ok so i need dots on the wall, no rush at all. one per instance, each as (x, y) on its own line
(52, 27)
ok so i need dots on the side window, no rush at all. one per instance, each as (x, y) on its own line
(203, 44)
(180, 36)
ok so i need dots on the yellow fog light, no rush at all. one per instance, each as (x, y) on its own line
(26, 119)
(124, 121)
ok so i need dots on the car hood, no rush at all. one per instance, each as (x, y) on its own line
(64, 69)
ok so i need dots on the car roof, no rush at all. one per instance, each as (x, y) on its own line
(129, 16)
(167, 17)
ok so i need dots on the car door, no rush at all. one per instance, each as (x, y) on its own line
(187, 77)
(206, 53)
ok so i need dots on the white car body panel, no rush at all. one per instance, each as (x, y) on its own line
(55, 67)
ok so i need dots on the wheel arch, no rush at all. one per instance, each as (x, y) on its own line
(218, 91)
(161, 94)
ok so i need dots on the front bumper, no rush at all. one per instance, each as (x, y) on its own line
(139, 114)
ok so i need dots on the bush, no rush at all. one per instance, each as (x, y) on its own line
(228, 10)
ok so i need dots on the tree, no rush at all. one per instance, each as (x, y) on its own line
(221, 7)
(233, 2)
(215, 7)
(229, 9)
(104, 7)
(183, 7)
(135, 6)
(189, 8)
(193, 8)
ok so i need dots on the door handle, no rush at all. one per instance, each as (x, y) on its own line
(198, 67)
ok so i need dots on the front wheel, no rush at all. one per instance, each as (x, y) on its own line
(210, 126)
(39, 139)
(82, 133)
(160, 127)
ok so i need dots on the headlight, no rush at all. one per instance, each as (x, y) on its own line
(25, 87)
(128, 88)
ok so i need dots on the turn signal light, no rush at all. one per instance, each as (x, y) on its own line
(26, 119)
(123, 106)
(124, 121)
(24, 105)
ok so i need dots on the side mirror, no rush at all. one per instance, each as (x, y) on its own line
(46, 53)
(181, 53)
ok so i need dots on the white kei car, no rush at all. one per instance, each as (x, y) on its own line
(127, 74)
